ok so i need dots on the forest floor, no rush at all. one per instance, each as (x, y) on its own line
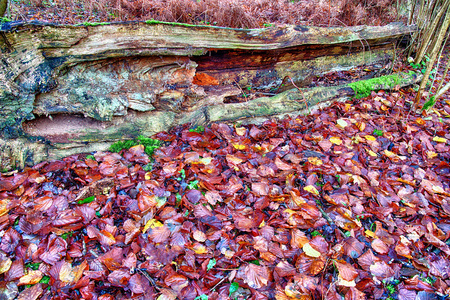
(350, 201)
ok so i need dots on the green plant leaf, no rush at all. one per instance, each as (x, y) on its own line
(87, 200)
(33, 266)
(45, 279)
(429, 104)
(234, 287)
(201, 297)
(377, 132)
(212, 262)
(193, 185)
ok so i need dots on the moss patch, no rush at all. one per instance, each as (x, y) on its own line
(150, 144)
(363, 88)
(93, 24)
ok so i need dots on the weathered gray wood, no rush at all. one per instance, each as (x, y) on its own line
(121, 80)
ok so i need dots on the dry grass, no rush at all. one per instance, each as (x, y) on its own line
(231, 13)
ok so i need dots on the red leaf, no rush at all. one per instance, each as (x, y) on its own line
(352, 247)
(255, 276)
(119, 278)
(346, 270)
(31, 293)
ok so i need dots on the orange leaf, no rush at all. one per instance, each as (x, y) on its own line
(33, 277)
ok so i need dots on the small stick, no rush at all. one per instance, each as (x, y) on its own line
(303, 95)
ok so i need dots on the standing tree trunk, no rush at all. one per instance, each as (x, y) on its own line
(3, 5)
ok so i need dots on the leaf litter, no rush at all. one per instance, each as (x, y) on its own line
(351, 201)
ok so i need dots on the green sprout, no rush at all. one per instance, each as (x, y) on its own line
(198, 129)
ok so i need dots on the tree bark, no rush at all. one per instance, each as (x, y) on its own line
(3, 6)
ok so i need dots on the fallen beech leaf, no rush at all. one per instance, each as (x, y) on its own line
(371, 153)
(431, 154)
(199, 248)
(403, 250)
(353, 248)
(33, 277)
(420, 121)
(4, 207)
(199, 236)
(315, 161)
(5, 264)
(439, 139)
(298, 239)
(71, 275)
(239, 146)
(31, 293)
(231, 159)
(152, 223)
(292, 290)
(346, 271)
(336, 140)
(284, 269)
(255, 276)
(311, 189)
(346, 283)
(310, 251)
(379, 246)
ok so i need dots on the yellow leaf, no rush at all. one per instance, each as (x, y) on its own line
(152, 223)
(148, 176)
(347, 106)
(315, 161)
(370, 138)
(431, 154)
(370, 233)
(371, 153)
(262, 224)
(200, 249)
(310, 251)
(4, 207)
(439, 139)
(361, 126)
(239, 146)
(289, 211)
(389, 153)
(311, 189)
(5, 264)
(336, 140)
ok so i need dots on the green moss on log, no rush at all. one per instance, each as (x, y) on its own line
(363, 88)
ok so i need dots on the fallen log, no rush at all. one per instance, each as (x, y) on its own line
(67, 89)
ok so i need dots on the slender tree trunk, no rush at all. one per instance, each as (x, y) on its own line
(3, 5)
(433, 55)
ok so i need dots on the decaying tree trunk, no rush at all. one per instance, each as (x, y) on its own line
(68, 89)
